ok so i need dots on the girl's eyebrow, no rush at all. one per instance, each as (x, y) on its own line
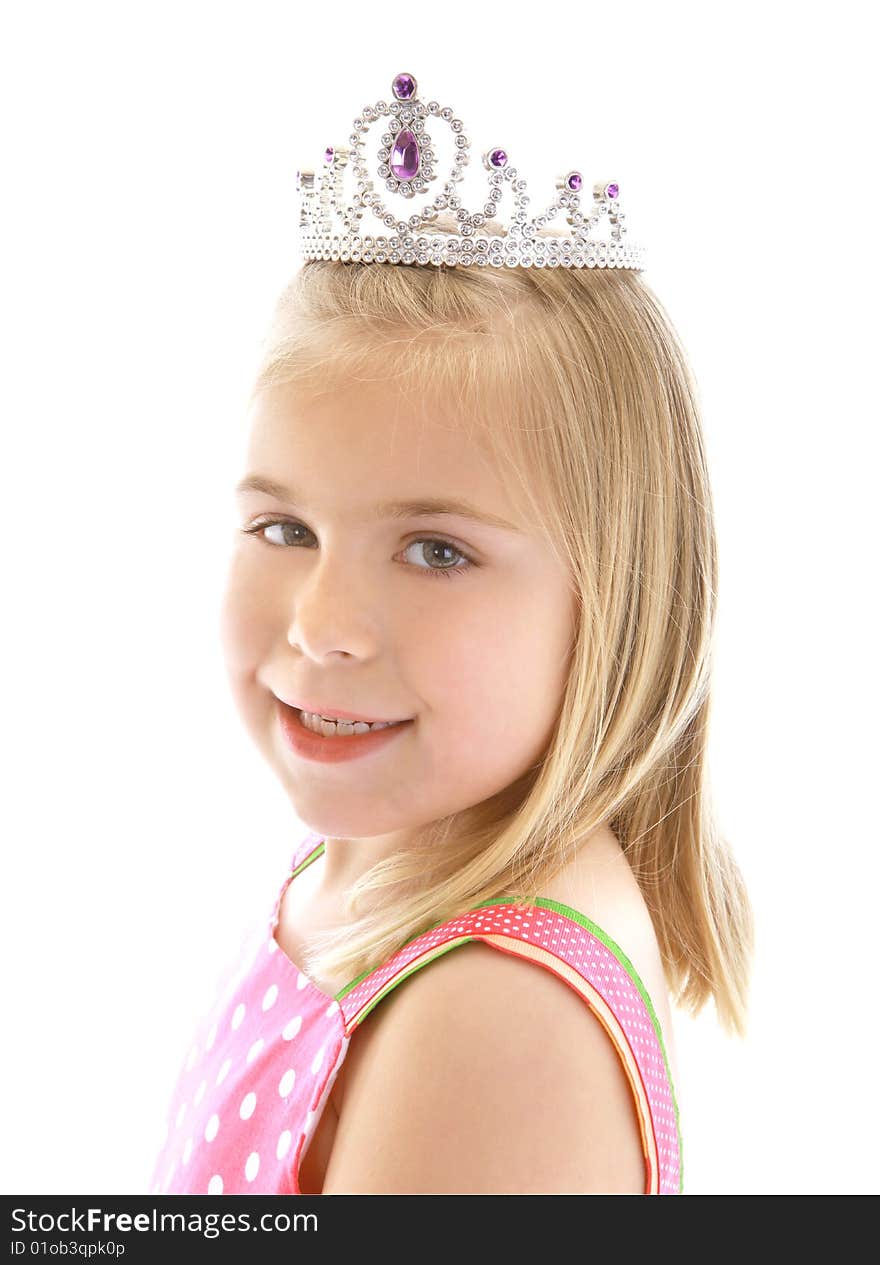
(425, 505)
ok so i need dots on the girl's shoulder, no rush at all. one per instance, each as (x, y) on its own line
(600, 884)
(483, 1074)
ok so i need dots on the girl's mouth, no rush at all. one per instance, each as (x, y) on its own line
(341, 728)
(314, 739)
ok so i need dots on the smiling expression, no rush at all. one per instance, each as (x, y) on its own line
(343, 588)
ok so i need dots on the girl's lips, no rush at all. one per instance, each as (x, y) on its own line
(313, 746)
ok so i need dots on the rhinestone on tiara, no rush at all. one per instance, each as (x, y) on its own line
(329, 224)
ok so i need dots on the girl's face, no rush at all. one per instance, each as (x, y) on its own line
(463, 626)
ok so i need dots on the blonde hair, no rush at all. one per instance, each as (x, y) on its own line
(576, 380)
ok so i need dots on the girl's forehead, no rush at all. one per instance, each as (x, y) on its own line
(365, 424)
(371, 447)
(376, 400)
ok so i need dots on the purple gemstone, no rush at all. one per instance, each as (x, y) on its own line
(328, 154)
(575, 180)
(498, 158)
(612, 190)
(403, 87)
(405, 156)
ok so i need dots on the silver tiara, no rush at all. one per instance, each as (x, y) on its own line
(329, 224)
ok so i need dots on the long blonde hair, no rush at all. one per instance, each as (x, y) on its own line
(577, 381)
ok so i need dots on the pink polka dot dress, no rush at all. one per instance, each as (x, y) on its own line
(264, 1060)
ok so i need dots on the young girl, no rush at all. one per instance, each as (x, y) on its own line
(517, 766)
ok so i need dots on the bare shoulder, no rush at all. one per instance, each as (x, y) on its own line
(599, 883)
(484, 1073)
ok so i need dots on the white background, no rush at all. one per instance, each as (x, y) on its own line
(149, 153)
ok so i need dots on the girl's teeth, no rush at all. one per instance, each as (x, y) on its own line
(331, 728)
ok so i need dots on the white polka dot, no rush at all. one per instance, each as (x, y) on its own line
(283, 1144)
(270, 996)
(181, 1109)
(238, 1015)
(200, 1093)
(187, 1150)
(254, 1050)
(292, 1028)
(252, 1167)
(301, 980)
(212, 1036)
(221, 1075)
(246, 1110)
(215, 1185)
(211, 1128)
(332, 1009)
(317, 1060)
(285, 1085)
(272, 945)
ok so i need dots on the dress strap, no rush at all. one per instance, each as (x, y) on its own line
(307, 850)
(567, 943)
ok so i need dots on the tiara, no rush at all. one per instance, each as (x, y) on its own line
(329, 223)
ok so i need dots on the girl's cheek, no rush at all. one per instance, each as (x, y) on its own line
(242, 631)
(229, 625)
(242, 609)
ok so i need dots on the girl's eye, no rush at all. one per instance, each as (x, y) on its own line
(434, 548)
(290, 528)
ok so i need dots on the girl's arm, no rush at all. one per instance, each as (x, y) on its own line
(484, 1074)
